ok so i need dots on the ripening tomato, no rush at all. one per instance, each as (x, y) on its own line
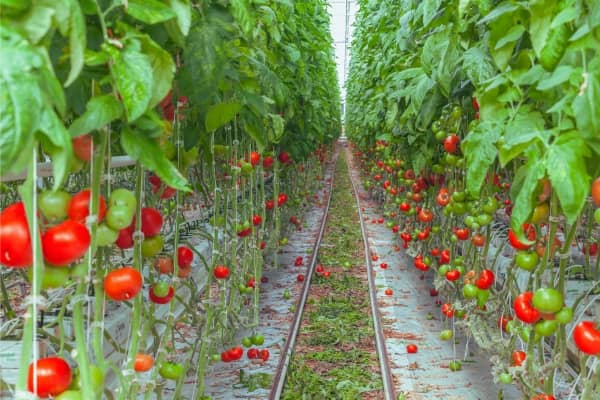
(53, 376)
(155, 298)
(221, 272)
(443, 198)
(519, 245)
(152, 246)
(389, 292)
(451, 143)
(79, 206)
(425, 215)
(518, 357)
(543, 396)
(267, 162)
(524, 308)
(185, 256)
(587, 337)
(15, 241)
(66, 242)
(166, 192)
(123, 283)
(143, 362)
(83, 147)
(595, 191)
(478, 240)
(151, 222)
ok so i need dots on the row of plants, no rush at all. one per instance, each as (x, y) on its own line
(481, 133)
(224, 109)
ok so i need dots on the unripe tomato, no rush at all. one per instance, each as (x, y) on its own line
(54, 205)
(171, 370)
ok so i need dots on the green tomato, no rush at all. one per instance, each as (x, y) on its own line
(96, 376)
(171, 370)
(215, 357)
(52, 277)
(286, 294)
(119, 217)
(54, 204)
(547, 300)
(546, 328)
(440, 135)
(455, 366)
(247, 341)
(347, 264)
(78, 271)
(69, 395)
(512, 326)
(258, 339)
(446, 334)
(435, 229)
(459, 197)
(460, 260)
(122, 197)
(152, 246)
(505, 378)
(597, 215)
(168, 149)
(482, 297)
(469, 221)
(247, 168)
(564, 316)
(161, 289)
(484, 219)
(470, 291)
(443, 269)
(490, 206)
(527, 260)
(105, 236)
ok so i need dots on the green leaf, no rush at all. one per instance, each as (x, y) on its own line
(540, 18)
(480, 152)
(430, 8)
(148, 152)
(220, 114)
(521, 132)
(149, 11)
(133, 75)
(183, 10)
(500, 10)
(511, 36)
(586, 108)
(99, 111)
(478, 65)
(163, 69)
(566, 168)
(57, 142)
(532, 171)
(77, 41)
(36, 22)
(560, 75)
(240, 9)
(566, 15)
(20, 97)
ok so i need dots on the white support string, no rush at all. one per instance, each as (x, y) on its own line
(36, 282)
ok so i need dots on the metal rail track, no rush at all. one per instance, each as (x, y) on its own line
(288, 348)
(384, 362)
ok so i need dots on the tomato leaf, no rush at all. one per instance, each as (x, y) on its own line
(163, 69)
(430, 8)
(480, 152)
(133, 75)
(57, 142)
(531, 173)
(478, 65)
(521, 132)
(540, 19)
(99, 111)
(585, 107)
(150, 11)
(560, 75)
(568, 174)
(149, 154)
(20, 98)
(220, 114)
(77, 40)
(183, 11)
(511, 36)
(240, 9)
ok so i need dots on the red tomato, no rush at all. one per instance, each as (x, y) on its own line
(443, 198)
(252, 353)
(125, 238)
(300, 278)
(151, 222)
(587, 337)
(53, 376)
(15, 241)
(486, 279)
(264, 354)
(79, 206)
(161, 300)
(221, 272)
(281, 199)
(225, 356)
(503, 321)
(453, 275)
(389, 292)
(254, 158)
(524, 308)
(166, 192)
(284, 157)
(462, 233)
(267, 162)
(411, 348)
(518, 357)
(256, 220)
(123, 283)
(475, 103)
(235, 353)
(143, 362)
(519, 245)
(543, 396)
(185, 256)
(451, 143)
(447, 310)
(478, 240)
(425, 215)
(269, 204)
(64, 243)
(83, 147)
